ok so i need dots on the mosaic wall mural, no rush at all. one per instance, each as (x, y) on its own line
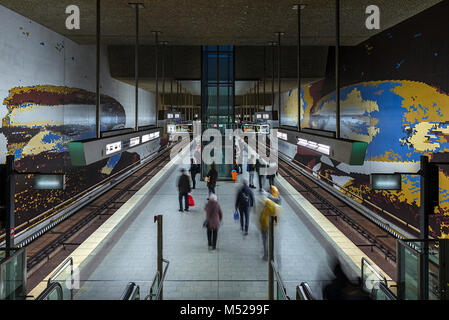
(401, 118)
(47, 99)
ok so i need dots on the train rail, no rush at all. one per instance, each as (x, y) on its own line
(376, 236)
(55, 236)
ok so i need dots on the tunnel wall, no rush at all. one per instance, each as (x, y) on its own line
(395, 96)
(47, 92)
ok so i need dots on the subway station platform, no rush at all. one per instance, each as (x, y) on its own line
(124, 249)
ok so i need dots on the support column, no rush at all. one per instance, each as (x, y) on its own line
(160, 256)
(425, 209)
(337, 68)
(156, 40)
(9, 170)
(272, 44)
(299, 7)
(264, 77)
(137, 6)
(271, 257)
(279, 34)
(164, 44)
(97, 78)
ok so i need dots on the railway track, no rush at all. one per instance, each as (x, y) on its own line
(347, 219)
(91, 216)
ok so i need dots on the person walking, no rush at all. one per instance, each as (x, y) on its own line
(194, 170)
(214, 215)
(244, 200)
(251, 170)
(260, 169)
(269, 208)
(211, 179)
(183, 189)
(272, 170)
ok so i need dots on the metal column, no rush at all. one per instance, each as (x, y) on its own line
(279, 34)
(156, 39)
(160, 257)
(271, 257)
(425, 209)
(164, 44)
(97, 79)
(272, 75)
(337, 68)
(264, 76)
(298, 61)
(136, 6)
(9, 203)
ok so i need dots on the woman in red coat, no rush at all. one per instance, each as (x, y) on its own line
(214, 216)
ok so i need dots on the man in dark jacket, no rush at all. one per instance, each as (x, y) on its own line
(245, 199)
(260, 175)
(251, 169)
(212, 176)
(184, 189)
(194, 170)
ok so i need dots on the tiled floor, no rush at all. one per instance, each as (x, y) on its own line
(234, 271)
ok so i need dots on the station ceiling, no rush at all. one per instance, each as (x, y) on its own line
(225, 22)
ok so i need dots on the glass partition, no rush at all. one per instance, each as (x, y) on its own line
(13, 276)
(64, 276)
(422, 269)
(371, 277)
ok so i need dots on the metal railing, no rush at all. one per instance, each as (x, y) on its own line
(303, 292)
(48, 292)
(366, 264)
(132, 292)
(383, 293)
(281, 291)
(59, 270)
(160, 283)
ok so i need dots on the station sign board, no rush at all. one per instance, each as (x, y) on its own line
(386, 181)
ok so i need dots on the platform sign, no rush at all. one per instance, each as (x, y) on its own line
(386, 181)
(49, 181)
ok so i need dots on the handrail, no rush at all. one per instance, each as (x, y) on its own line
(354, 195)
(373, 268)
(303, 292)
(279, 282)
(387, 292)
(132, 292)
(58, 271)
(48, 213)
(159, 285)
(150, 295)
(55, 286)
(161, 282)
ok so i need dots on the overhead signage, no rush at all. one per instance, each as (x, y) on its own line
(49, 181)
(386, 181)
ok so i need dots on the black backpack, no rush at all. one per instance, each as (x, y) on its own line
(244, 199)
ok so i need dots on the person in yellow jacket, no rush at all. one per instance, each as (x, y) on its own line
(270, 207)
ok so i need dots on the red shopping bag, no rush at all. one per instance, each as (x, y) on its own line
(191, 202)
